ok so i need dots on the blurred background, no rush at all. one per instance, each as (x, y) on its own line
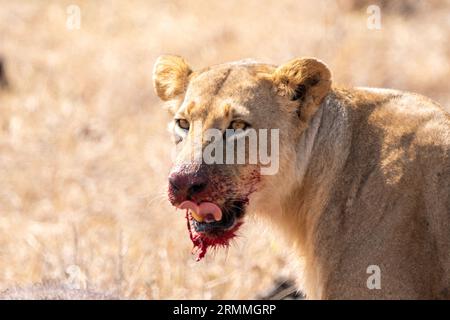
(84, 149)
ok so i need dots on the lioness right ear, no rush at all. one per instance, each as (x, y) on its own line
(170, 76)
(304, 79)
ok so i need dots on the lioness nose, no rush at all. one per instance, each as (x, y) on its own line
(185, 186)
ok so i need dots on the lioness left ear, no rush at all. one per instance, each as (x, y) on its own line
(170, 76)
(304, 79)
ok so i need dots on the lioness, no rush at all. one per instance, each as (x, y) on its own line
(363, 184)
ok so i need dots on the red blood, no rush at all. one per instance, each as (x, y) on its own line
(202, 242)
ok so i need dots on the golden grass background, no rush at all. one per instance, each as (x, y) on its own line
(84, 149)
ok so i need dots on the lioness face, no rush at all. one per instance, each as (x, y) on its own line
(213, 108)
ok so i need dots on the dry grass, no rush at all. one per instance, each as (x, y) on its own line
(82, 158)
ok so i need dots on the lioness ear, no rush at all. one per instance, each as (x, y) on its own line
(304, 79)
(170, 76)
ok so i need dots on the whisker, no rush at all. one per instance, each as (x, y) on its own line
(158, 197)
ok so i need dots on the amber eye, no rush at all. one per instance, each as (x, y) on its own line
(239, 125)
(183, 124)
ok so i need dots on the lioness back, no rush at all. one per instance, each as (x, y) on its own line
(395, 193)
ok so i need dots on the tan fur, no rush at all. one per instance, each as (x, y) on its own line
(364, 174)
(170, 76)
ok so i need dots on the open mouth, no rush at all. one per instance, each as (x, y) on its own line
(231, 215)
(211, 226)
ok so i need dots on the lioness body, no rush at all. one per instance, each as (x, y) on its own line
(376, 192)
(363, 179)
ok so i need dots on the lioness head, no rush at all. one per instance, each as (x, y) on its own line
(248, 99)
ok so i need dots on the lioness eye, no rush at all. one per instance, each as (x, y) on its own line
(183, 124)
(238, 125)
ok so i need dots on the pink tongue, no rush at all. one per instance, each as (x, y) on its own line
(205, 209)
